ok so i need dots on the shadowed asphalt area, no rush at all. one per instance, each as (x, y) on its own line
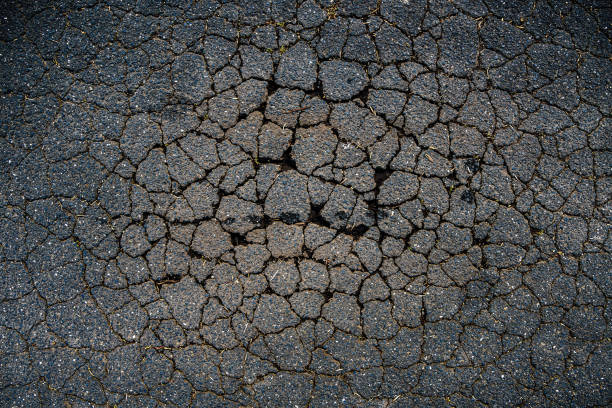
(305, 203)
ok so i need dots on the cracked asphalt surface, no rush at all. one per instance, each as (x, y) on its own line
(318, 203)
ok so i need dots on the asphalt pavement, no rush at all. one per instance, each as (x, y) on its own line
(319, 203)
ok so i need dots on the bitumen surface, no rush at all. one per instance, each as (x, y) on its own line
(318, 203)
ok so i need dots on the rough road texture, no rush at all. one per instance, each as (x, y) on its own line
(305, 204)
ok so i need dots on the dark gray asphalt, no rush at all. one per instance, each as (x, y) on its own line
(288, 203)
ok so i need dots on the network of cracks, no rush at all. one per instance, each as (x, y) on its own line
(351, 203)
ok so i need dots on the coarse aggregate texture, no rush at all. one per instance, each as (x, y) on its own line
(305, 203)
